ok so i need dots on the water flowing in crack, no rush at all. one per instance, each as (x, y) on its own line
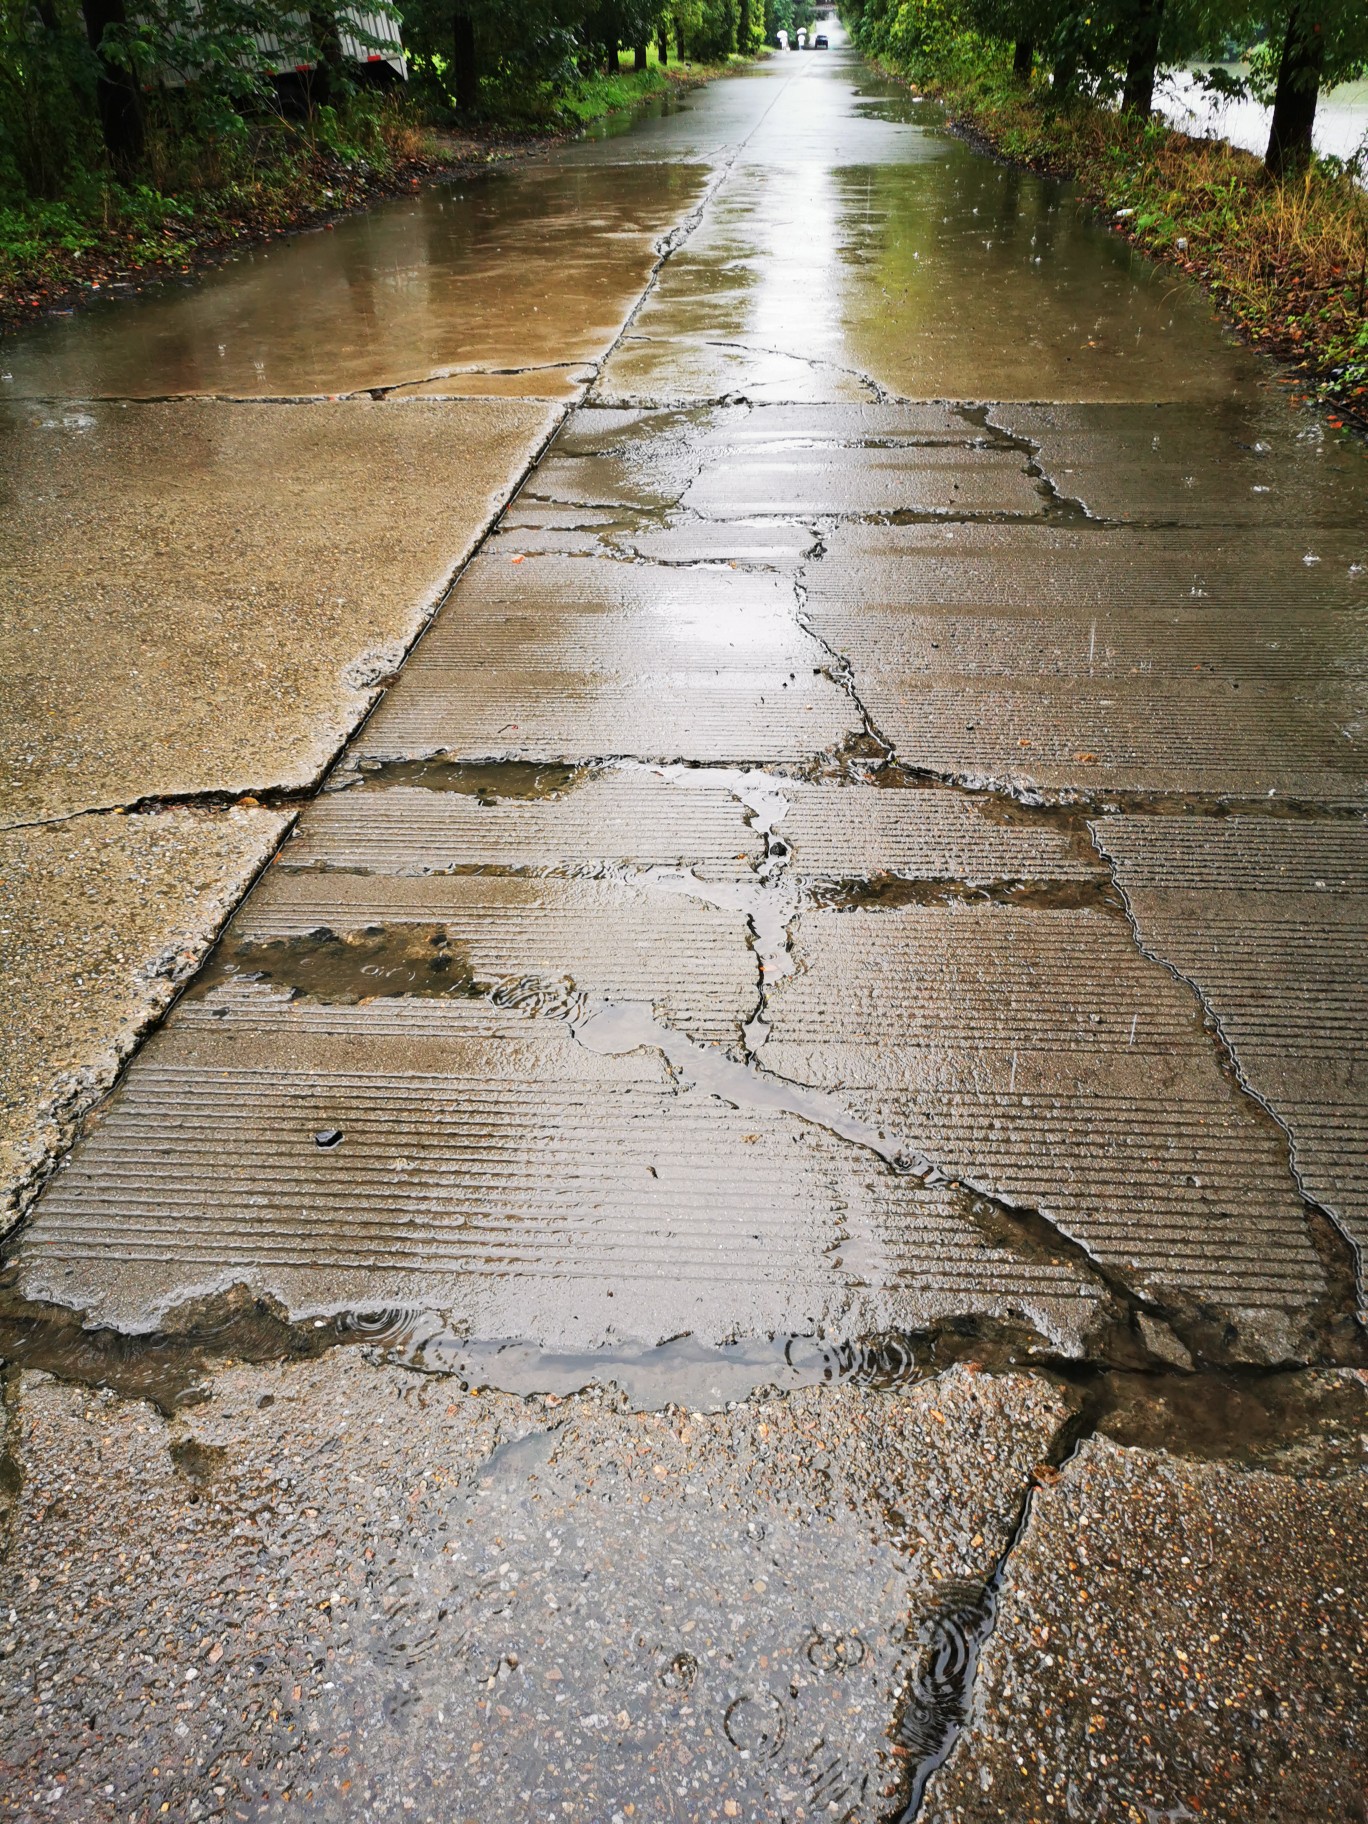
(938, 1701)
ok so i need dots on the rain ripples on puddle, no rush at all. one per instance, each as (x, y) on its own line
(682, 1372)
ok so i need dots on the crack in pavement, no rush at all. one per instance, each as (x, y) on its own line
(879, 394)
(938, 1702)
(1133, 1330)
(1341, 1256)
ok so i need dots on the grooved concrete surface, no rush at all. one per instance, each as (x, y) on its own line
(1267, 921)
(844, 941)
(101, 919)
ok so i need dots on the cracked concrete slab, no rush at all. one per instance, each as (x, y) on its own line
(512, 269)
(1269, 922)
(247, 575)
(536, 1192)
(851, 285)
(842, 480)
(492, 1169)
(729, 717)
(1174, 1639)
(632, 817)
(757, 461)
(556, 382)
(1241, 461)
(1061, 658)
(861, 832)
(1038, 1055)
(349, 1587)
(610, 940)
(101, 919)
(552, 658)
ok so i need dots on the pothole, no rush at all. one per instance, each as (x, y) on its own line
(375, 963)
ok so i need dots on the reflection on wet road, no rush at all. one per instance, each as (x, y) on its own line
(788, 1130)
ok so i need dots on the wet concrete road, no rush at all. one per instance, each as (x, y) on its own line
(758, 1216)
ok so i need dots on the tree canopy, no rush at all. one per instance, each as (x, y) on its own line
(86, 82)
(1112, 49)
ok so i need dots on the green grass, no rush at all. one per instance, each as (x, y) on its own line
(276, 177)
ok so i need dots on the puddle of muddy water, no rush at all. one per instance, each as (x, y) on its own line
(682, 1372)
(377, 962)
(489, 781)
(1293, 1421)
(526, 270)
(1312, 1420)
(889, 892)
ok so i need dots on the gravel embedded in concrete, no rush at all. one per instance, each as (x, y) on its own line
(1175, 1640)
(362, 1592)
(101, 919)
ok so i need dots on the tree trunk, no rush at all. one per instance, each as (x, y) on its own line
(1138, 94)
(1064, 76)
(663, 46)
(1023, 59)
(680, 51)
(1294, 102)
(319, 83)
(743, 29)
(638, 56)
(465, 68)
(116, 92)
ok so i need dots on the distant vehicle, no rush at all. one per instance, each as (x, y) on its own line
(819, 43)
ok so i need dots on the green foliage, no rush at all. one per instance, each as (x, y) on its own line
(224, 150)
(47, 98)
(789, 16)
(1088, 41)
(154, 87)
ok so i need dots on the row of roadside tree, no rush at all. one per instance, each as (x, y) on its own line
(1113, 49)
(91, 82)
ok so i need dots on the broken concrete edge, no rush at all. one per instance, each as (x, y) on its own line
(1244, 1413)
(57, 1123)
(1129, 1330)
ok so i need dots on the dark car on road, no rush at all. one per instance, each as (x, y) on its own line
(819, 43)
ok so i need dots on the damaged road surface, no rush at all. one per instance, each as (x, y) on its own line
(759, 1213)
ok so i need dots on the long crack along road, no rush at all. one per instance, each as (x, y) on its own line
(759, 1212)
